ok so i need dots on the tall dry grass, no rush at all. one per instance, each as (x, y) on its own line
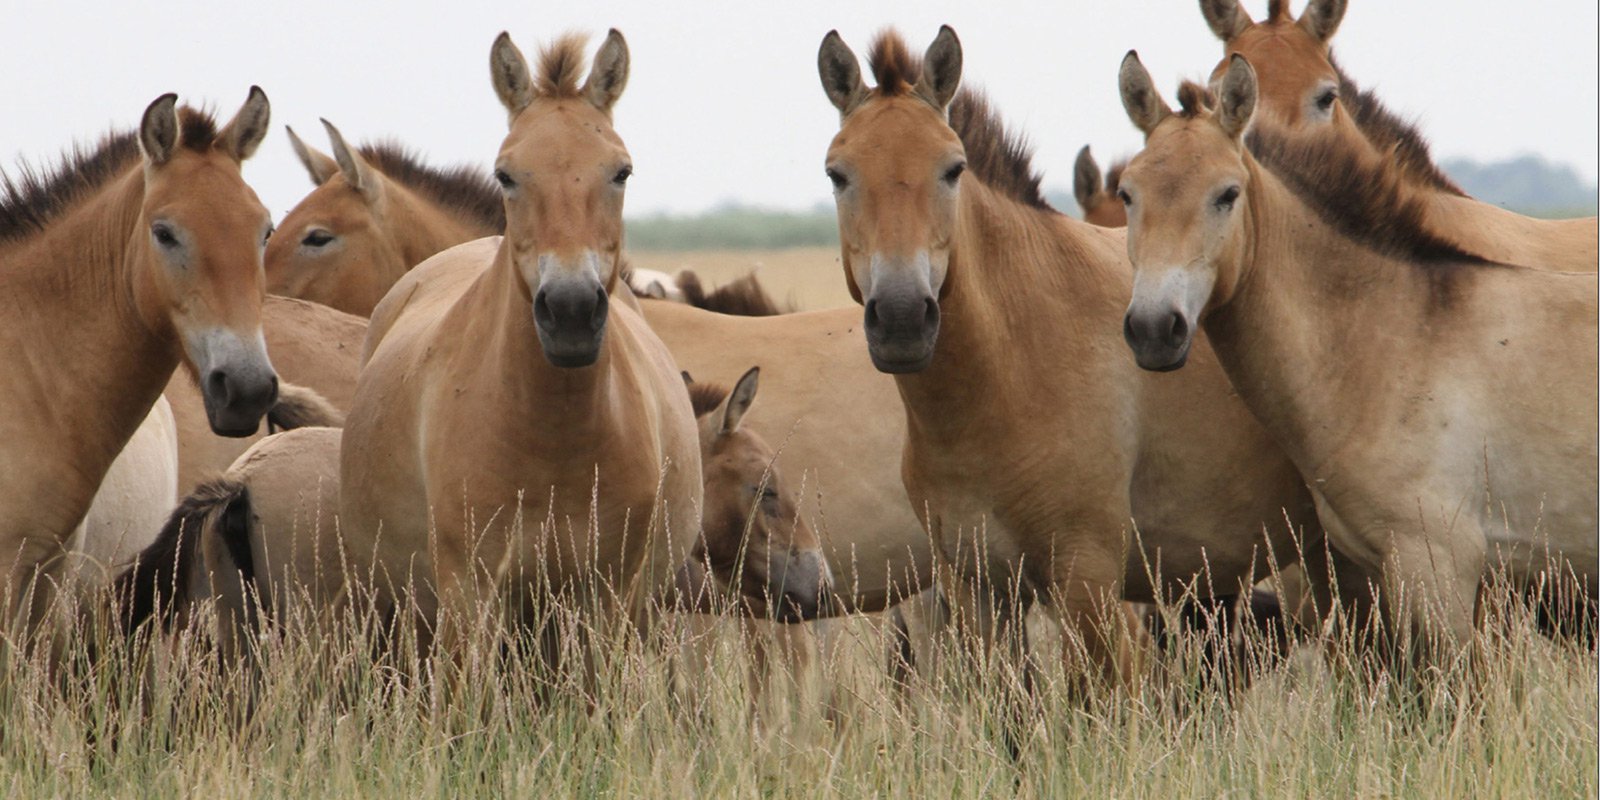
(328, 705)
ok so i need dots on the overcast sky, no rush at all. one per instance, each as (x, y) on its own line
(724, 102)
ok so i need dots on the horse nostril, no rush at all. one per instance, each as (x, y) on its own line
(1127, 327)
(872, 313)
(930, 313)
(541, 306)
(1180, 329)
(217, 385)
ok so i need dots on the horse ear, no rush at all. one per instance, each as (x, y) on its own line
(357, 172)
(158, 129)
(941, 69)
(1139, 96)
(319, 165)
(841, 73)
(1085, 178)
(1236, 101)
(508, 69)
(1322, 17)
(688, 380)
(609, 75)
(739, 400)
(1226, 17)
(243, 134)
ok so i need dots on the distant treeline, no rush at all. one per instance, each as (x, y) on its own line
(1528, 185)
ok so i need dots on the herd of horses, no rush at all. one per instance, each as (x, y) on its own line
(1307, 351)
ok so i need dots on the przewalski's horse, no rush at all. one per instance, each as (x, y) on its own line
(510, 415)
(1304, 91)
(127, 261)
(1098, 200)
(1031, 441)
(1394, 367)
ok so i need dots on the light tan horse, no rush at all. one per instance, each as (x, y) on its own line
(315, 349)
(509, 413)
(127, 261)
(1098, 199)
(376, 212)
(1305, 92)
(1395, 368)
(1031, 441)
(133, 500)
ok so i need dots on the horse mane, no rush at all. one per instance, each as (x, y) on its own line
(34, 198)
(741, 298)
(561, 62)
(158, 580)
(706, 397)
(1388, 132)
(1193, 100)
(1002, 159)
(1368, 200)
(1278, 11)
(462, 188)
(1114, 176)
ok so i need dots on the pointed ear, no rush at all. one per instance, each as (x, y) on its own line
(1322, 17)
(739, 400)
(319, 165)
(357, 172)
(841, 73)
(508, 69)
(609, 75)
(941, 69)
(1226, 17)
(1085, 178)
(243, 134)
(1139, 96)
(688, 380)
(1236, 99)
(158, 129)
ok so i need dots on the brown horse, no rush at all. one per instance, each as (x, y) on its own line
(1392, 365)
(1031, 442)
(1305, 92)
(127, 261)
(1098, 200)
(503, 385)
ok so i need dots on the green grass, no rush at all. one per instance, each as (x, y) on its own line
(160, 716)
(735, 227)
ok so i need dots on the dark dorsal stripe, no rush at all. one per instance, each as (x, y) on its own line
(32, 199)
(1387, 130)
(999, 158)
(741, 298)
(463, 188)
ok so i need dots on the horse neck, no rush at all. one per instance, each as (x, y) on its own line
(86, 361)
(1012, 267)
(422, 228)
(1505, 236)
(1298, 332)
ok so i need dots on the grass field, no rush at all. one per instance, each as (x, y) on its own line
(324, 719)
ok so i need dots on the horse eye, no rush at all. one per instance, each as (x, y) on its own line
(839, 181)
(164, 235)
(1124, 197)
(1225, 200)
(267, 235)
(317, 238)
(769, 493)
(954, 173)
(1325, 100)
(622, 175)
(504, 179)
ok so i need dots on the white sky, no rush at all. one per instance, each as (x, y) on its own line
(724, 101)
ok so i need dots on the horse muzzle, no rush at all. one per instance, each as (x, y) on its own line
(1159, 337)
(803, 589)
(237, 381)
(570, 314)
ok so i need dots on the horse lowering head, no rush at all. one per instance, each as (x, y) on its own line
(1186, 203)
(563, 170)
(1299, 86)
(201, 235)
(754, 537)
(896, 166)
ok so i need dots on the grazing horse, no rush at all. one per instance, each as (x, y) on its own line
(509, 415)
(130, 259)
(1098, 200)
(1395, 368)
(1031, 442)
(1305, 92)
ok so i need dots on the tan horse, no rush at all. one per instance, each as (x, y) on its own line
(129, 260)
(133, 500)
(1304, 91)
(1392, 366)
(316, 350)
(1030, 441)
(503, 385)
(1098, 200)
